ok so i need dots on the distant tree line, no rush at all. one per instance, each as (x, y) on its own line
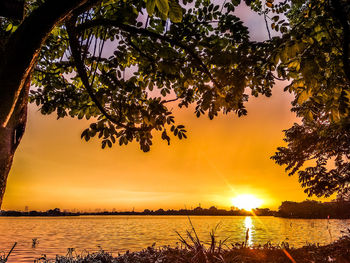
(198, 211)
(212, 211)
(339, 208)
(314, 209)
(51, 212)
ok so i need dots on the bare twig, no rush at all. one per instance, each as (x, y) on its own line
(167, 101)
(267, 25)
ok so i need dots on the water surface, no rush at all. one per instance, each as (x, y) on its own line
(120, 233)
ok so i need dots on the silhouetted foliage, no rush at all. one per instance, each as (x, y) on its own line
(203, 55)
(315, 209)
(315, 56)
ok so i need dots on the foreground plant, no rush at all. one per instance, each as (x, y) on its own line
(338, 251)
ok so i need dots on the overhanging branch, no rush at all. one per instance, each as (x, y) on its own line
(145, 32)
(75, 49)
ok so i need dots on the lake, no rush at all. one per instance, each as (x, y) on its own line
(120, 233)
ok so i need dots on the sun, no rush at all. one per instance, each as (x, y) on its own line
(246, 202)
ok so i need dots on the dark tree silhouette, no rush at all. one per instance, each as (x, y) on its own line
(59, 49)
(202, 56)
(316, 58)
(20, 46)
(314, 209)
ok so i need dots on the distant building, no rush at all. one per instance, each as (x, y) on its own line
(26, 209)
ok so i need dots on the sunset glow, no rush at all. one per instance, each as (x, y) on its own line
(246, 202)
(220, 159)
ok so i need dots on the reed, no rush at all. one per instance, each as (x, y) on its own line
(193, 250)
(3, 257)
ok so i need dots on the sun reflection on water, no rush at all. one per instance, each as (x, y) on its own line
(248, 224)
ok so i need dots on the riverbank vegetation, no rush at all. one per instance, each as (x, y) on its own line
(193, 250)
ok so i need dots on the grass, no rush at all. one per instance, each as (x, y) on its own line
(195, 251)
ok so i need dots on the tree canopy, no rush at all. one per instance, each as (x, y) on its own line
(316, 58)
(206, 59)
(122, 63)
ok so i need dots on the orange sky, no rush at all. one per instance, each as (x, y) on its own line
(220, 159)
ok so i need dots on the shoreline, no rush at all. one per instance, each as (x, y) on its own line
(171, 215)
(218, 252)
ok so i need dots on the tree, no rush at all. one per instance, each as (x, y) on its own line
(19, 50)
(203, 56)
(206, 59)
(316, 58)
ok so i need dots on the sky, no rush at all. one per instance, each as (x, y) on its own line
(221, 159)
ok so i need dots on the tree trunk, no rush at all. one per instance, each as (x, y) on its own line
(6, 157)
(18, 56)
(10, 137)
(22, 48)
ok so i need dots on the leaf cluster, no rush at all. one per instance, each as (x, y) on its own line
(149, 65)
(124, 65)
(312, 55)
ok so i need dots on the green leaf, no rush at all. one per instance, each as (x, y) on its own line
(175, 11)
(309, 115)
(163, 92)
(335, 115)
(9, 27)
(303, 96)
(275, 18)
(150, 5)
(163, 6)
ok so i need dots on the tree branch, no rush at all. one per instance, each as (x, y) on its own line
(145, 32)
(171, 100)
(266, 24)
(277, 77)
(75, 49)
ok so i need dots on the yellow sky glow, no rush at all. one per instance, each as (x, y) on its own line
(222, 158)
